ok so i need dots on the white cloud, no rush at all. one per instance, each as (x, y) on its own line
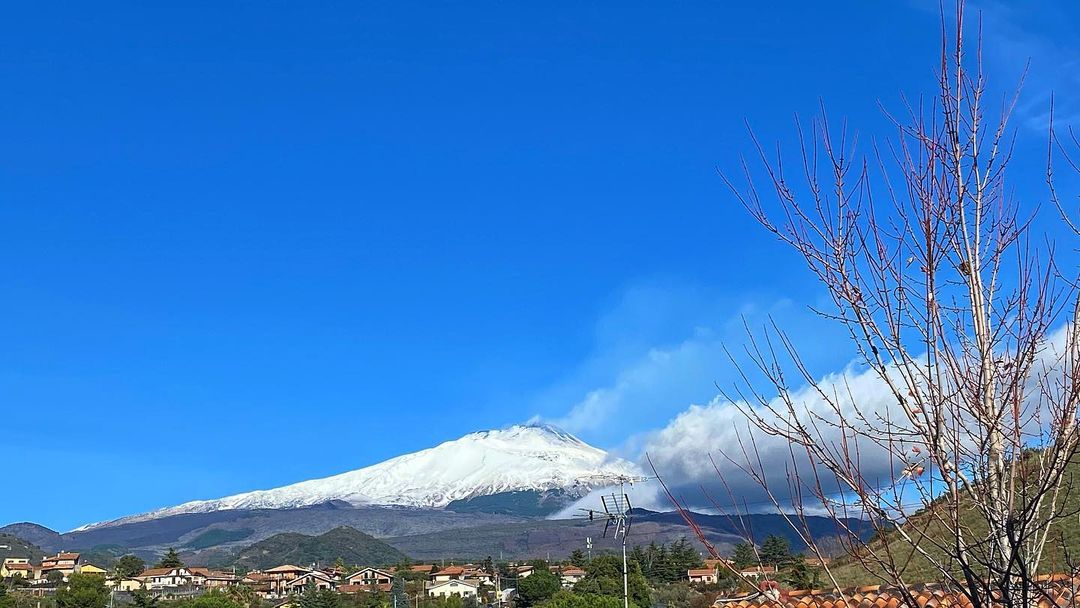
(653, 376)
(681, 450)
(670, 389)
(689, 450)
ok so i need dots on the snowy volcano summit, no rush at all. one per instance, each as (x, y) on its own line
(519, 458)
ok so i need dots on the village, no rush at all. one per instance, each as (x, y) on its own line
(473, 583)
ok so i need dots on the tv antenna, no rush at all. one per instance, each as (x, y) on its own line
(617, 518)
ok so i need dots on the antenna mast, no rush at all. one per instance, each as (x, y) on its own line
(617, 510)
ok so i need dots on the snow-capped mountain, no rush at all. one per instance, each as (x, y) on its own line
(518, 458)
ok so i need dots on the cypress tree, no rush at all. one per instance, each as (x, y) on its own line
(744, 555)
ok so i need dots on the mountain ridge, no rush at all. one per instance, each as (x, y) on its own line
(485, 493)
(419, 533)
(534, 457)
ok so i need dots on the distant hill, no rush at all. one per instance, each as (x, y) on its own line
(231, 529)
(13, 546)
(349, 544)
(540, 539)
(217, 537)
(46, 539)
(762, 525)
(1063, 544)
(557, 538)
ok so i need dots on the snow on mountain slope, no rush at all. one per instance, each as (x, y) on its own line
(532, 457)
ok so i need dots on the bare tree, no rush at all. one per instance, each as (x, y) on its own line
(956, 304)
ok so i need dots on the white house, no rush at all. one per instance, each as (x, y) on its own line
(370, 576)
(702, 576)
(158, 578)
(320, 580)
(448, 573)
(453, 587)
(570, 575)
(757, 571)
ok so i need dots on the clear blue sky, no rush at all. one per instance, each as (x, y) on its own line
(248, 243)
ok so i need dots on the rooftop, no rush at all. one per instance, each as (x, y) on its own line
(929, 595)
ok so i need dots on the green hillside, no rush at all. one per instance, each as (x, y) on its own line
(349, 544)
(13, 546)
(1065, 540)
(217, 536)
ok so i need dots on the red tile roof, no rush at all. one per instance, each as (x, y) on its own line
(931, 595)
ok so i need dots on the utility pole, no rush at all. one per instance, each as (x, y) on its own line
(625, 578)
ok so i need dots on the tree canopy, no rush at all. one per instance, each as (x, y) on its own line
(663, 564)
(213, 599)
(319, 598)
(129, 565)
(83, 591)
(566, 599)
(537, 588)
(170, 560)
(744, 555)
(776, 551)
(603, 576)
(141, 598)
